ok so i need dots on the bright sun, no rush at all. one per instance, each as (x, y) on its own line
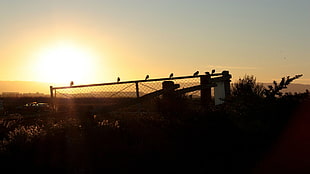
(65, 62)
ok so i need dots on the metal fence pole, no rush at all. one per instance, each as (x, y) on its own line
(52, 98)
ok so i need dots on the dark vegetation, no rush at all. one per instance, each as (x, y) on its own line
(160, 136)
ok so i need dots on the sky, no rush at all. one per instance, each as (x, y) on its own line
(96, 41)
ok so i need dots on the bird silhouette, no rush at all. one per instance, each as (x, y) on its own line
(118, 79)
(71, 83)
(196, 73)
(147, 77)
(213, 71)
(171, 75)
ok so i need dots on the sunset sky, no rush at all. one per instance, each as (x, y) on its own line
(95, 41)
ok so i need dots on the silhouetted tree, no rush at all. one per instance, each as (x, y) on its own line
(275, 90)
(247, 87)
(246, 99)
(255, 107)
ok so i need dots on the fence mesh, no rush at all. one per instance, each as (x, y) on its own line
(121, 90)
(116, 93)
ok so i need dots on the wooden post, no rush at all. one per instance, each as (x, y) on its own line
(137, 90)
(168, 89)
(226, 78)
(170, 102)
(51, 91)
(205, 94)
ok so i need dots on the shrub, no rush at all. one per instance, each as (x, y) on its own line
(247, 87)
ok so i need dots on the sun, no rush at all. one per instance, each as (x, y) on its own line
(64, 62)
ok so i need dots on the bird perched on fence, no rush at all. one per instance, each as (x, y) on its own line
(213, 71)
(196, 73)
(147, 77)
(71, 83)
(171, 75)
(118, 79)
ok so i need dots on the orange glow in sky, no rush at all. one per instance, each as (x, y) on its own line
(64, 61)
(97, 41)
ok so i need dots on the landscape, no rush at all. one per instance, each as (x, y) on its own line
(175, 134)
(165, 86)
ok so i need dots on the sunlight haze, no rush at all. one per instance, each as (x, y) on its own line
(96, 41)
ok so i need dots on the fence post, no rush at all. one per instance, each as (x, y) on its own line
(52, 97)
(51, 91)
(205, 94)
(226, 78)
(168, 88)
(170, 103)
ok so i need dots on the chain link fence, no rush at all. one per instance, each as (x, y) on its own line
(124, 92)
(109, 94)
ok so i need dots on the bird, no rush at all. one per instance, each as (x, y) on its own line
(118, 79)
(71, 83)
(213, 71)
(196, 73)
(147, 77)
(171, 75)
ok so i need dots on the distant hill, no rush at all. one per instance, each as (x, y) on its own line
(293, 87)
(24, 87)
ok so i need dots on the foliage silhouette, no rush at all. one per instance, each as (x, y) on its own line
(255, 108)
(274, 91)
(247, 87)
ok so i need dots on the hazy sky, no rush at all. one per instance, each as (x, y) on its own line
(92, 41)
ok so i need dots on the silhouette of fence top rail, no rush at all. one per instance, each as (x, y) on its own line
(134, 81)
